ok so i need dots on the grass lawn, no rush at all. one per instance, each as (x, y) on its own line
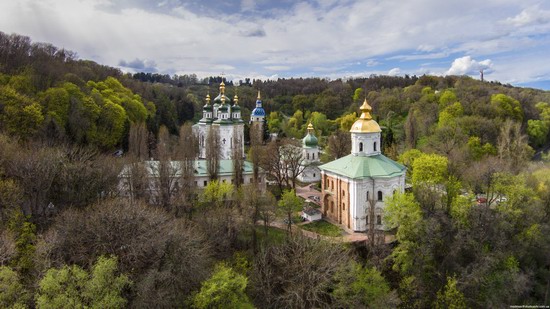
(322, 227)
(274, 235)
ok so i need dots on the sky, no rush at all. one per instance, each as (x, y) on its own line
(508, 39)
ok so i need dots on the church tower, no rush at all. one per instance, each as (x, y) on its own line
(310, 155)
(365, 134)
(354, 187)
(203, 128)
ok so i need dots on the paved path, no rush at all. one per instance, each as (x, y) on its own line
(309, 193)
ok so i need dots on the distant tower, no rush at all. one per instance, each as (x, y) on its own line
(310, 154)
(223, 124)
(238, 124)
(257, 118)
(481, 74)
(203, 127)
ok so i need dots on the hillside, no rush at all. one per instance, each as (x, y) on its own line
(471, 232)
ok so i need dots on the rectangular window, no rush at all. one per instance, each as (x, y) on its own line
(205, 183)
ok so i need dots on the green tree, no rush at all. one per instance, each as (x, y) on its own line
(20, 115)
(429, 169)
(507, 107)
(448, 116)
(363, 286)
(56, 103)
(216, 193)
(447, 98)
(346, 121)
(225, 289)
(537, 131)
(357, 94)
(12, 292)
(25, 239)
(478, 151)
(289, 204)
(403, 212)
(450, 296)
(73, 287)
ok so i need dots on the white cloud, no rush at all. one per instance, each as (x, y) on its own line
(466, 65)
(312, 37)
(531, 15)
(394, 72)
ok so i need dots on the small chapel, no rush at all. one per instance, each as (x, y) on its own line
(355, 187)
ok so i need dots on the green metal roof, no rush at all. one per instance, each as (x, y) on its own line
(378, 166)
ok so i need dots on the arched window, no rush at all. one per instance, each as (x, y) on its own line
(344, 206)
(379, 219)
(308, 155)
(379, 195)
(313, 156)
(360, 146)
(367, 195)
(375, 146)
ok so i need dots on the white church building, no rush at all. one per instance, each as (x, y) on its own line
(310, 155)
(226, 119)
(364, 177)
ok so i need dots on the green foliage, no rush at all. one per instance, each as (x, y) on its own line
(362, 286)
(544, 110)
(112, 90)
(448, 116)
(288, 204)
(507, 107)
(407, 158)
(56, 103)
(12, 292)
(320, 122)
(73, 287)
(403, 212)
(323, 227)
(357, 94)
(25, 239)
(21, 115)
(225, 289)
(537, 131)
(460, 209)
(216, 193)
(429, 169)
(478, 151)
(450, 296)
(447, 98)
(346, 121)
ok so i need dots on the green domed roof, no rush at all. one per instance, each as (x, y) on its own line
(310, 140)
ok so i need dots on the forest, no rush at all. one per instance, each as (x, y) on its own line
(473, 231)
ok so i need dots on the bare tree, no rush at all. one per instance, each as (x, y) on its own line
(167, 258)
(270, 161)
(165, 172)
(513, 148)
(298, 273)
(256, 141)
(411, 133)
(213, 153)
(238, 162)
(35, 170)
(256, 205)
(138, 141)
(339, 144)
(187, 153)
(293, 162)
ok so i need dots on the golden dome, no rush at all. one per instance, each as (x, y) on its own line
(365, 123)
